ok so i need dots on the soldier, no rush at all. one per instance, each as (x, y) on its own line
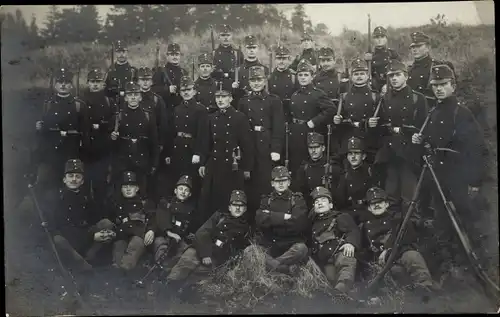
(282, 224)
(380, 58)
(226, 57)
(452, 125)
(100, 110)
(311, 110)
(120, 73)
(230, 156)
(420, 70)
(402, 112)
(174, 224)
(78, 229)
(61, 130)
(327, 78)
(335, 239)
(267, 122)
(135, 223)
(357, 179)
(221, 237)
(380, 226)
(308, 53)
(206, 85)
(357, 105)
(311, 172)
(135, 138)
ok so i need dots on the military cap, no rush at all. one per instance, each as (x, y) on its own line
(280, 172)
(256, 72)
(319, 192)
(238, 195)
(315, 138)
(173, 48)
(396, 66)
(375, 194)
(326, 51)
(250, 40)
(185, 180)
(132, 87)
(63, 75)
(222, 91)
(73, 166)
(96, 74)
(205, 58)
(355, 144)
(225, 29)
(418, 38)
(441, 74)
(282, 51)
(304, 66)
(186, 81)
(120, 46)
(358, 64)
(144, 72)
(129, 178)
(306, 36)
(379, 31)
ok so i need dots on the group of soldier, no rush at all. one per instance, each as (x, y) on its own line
(308, 161)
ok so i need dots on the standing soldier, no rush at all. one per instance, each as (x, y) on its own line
(226, 57)
(267, 122)
(61, 131)
(308, 53)
(380, 58)
(327, 78)
(100, 111)
(120, 73)
(136, 139)
(230, 155)
(205, 86)
(311, 110)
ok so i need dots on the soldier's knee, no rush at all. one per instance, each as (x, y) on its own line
(136, 243)
(342, 260)
(411, 256)
(300, 248)
(105, 224)
(159, 241)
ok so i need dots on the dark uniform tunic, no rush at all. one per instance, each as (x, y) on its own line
(118, 75)
(154, 103)
(176, 217)
(205, 93)
(244, 88)
(381, 57)
(133, 217)
(283, 83)
(309, 54)
(419, 73)
(328, 81)
(226, 59)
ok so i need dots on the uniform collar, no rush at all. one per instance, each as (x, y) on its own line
(226, 110)
(424, 60)
(286, 195)
(259, 94)
(380, 48)
(452, 100)
(225, 48)
(306, 88)
(322, 160)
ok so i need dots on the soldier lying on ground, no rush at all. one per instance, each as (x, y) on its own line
(282, 224)
(135, 226)
(73, 226)
(335, 238)
(173, 223)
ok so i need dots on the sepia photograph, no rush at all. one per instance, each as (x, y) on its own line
(314, 158)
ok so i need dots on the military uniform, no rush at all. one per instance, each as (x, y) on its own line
(330, 230)
(381, 57)
(328, 80)
(267, 122)
(283, 238)
(134, 218)
(118, 75)
(206, 87)
(221, 237)
(309, 54)
(307, 103)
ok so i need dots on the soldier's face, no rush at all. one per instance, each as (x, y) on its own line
(327, 62)
(282, 62)
(281, 185)
(96, 85)
(380, 41)
(378, 208)
(73, 180)
(304, 78)
(251, 51)
(145, 83)
(63, 87)
(257, 84)
(223, 101)
(121, 56)
(182, 192)
(444, 90)
(398, 79)
(307, 44)
(355, 158)
(226, 38)
(237, 209)
(133, 99)
(187, 92)
(322, 205)
(205, 70)
(316, 151)
(359, 77)
(129, 190)
(173, 58)
(419, 50)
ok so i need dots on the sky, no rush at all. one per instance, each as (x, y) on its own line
(352, 15)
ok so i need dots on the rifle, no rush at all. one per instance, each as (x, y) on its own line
(287, 131)
(192, 67)
(78, 81)
(140, 283)
(157, 55)
(237, 62)
(236, 158)
(212, 40)
(112, 54)
(326, 177)
(369, 47)
(271, 59)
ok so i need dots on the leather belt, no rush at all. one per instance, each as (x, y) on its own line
(184, 135)
(258, 128)
(298, 121)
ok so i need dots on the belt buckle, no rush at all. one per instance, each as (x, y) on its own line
(133, 140)
(258, 128)
(226, 75)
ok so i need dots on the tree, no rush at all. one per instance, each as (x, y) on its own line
(49, 33)
(89, 23)
(321, 29)
(300, 20)
(439, 20)
(34, 37)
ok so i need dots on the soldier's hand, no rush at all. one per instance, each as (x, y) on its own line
(114, 135)
(275, 156)
(383, 91)
(235, 84)
(246, 174)
(381, 258)
(265, 211)
(348, 250)
(63, 133)
(167, 160)
(95, 126)
(310, 124)
(101, 236)
(149, 237)
(195, 159)
(372, 122)
(337, 119)
(172, 89)
(287, 216)
(368, 56)
(174, 236)
(417, 138)
(206, 261)
(201, 171)
(39, 125)
(190, 237)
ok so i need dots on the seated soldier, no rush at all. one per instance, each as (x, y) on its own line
(335, 238)
(173, 223)
(379, 229)
(135, 225)
(222, 236)
(73, 222)
(282, 224)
